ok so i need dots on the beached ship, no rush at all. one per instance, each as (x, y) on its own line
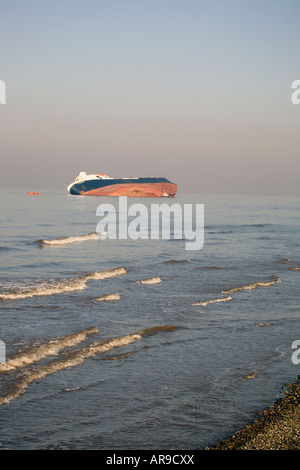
(103, 185)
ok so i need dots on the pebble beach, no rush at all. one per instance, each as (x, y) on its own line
(276, 428)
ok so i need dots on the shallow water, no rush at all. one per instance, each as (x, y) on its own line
(97, 359)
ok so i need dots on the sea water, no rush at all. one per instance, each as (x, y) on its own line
(142, 344)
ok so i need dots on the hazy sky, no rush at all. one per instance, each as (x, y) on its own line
(198, 91)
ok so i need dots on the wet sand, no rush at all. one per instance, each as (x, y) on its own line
(277, 428)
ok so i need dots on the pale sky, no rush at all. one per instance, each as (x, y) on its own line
(198, 91)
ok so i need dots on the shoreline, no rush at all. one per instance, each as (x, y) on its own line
(276, 428)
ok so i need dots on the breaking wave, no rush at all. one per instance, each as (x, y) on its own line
(74, 358)
(47, 348)
(68, 240)
(206, 302)
(152, 280)
(254, 285)
(108, 298)
(69, 285)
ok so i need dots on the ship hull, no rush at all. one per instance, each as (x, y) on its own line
(138, 187)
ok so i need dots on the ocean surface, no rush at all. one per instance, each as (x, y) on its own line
(96, 359)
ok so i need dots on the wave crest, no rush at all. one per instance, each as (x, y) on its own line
(206, 302)
(74, 358)
(152, 280)
(254, 285)
(69, 285)
(72, 239)
(48, 348)
(108, 298)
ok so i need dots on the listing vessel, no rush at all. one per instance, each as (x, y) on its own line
(103, 185)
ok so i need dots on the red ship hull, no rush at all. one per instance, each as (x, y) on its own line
(140, 190)
(103, 185)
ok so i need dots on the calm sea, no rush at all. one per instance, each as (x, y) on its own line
(96, 359)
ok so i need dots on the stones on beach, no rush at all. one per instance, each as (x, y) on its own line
(276, 428)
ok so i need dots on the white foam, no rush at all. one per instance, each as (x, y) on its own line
(75, 358)
(254, 285)
(108, 298)
(72, 239)
(45, 349)
(207, 302)
(70, 285)
(106, 274)
(152, 280)
(71, 360)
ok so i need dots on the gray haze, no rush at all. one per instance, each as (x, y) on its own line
(198, 91)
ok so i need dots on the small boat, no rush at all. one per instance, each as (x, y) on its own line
(34, 194)
(103, 185)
